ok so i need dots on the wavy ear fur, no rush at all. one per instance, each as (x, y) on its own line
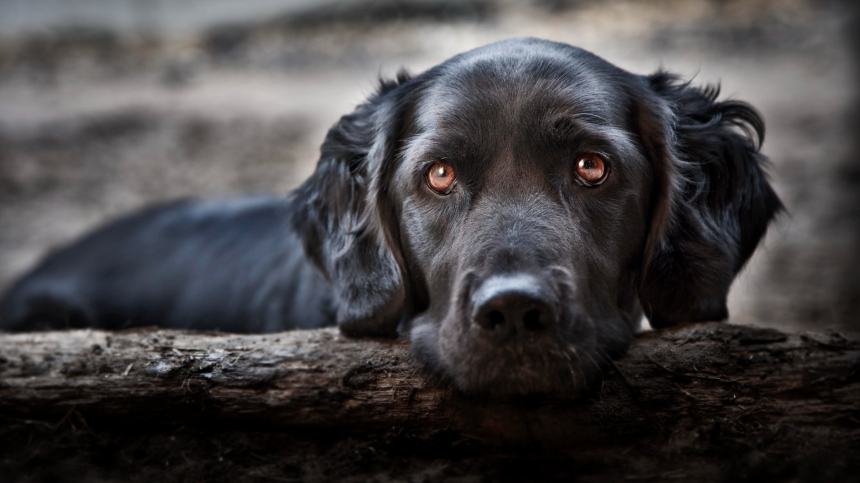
(345, 220)
(713, 202)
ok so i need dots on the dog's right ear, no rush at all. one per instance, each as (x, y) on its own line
(345, 219)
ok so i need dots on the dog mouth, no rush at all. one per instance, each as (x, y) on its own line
(514, 369)
(511, 334)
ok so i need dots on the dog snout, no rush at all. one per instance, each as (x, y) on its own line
(514, 305)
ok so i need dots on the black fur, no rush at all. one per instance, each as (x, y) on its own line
(367, 244)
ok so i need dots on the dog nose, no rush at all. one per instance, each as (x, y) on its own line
(519, 303)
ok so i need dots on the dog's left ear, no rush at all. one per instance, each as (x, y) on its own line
(712, 204)
(346, 220)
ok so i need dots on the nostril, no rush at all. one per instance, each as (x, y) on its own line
(514, 316)
(532, 320)
(495, 320)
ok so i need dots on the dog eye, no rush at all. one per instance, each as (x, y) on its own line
(591, 168)
(440, 177)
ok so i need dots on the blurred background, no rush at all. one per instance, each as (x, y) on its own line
(109, 105)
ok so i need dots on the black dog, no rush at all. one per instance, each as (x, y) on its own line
(515, 209)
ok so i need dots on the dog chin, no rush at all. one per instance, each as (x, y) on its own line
(480, 367)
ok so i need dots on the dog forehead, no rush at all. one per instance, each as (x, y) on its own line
(495, 88)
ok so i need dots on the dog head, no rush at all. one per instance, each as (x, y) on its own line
(519, 206)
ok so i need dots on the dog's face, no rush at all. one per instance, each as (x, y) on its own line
(519, 205)
(522, 204)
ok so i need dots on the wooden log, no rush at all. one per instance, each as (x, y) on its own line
(699, 401)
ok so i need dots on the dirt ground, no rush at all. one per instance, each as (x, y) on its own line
(96, 122)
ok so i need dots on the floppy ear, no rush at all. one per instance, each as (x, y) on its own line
(344, 218)
(713, 201)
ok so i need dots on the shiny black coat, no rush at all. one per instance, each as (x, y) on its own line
(521, 278)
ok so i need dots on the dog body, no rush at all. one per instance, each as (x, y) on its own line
(231, 265)
(514, 210)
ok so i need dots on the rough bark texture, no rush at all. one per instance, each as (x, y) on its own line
(705, 402)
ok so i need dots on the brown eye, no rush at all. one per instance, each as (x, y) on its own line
(591, 168)
(440, 177)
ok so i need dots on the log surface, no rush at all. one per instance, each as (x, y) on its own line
(702, 402)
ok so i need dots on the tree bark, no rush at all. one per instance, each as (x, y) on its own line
(699, 402)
